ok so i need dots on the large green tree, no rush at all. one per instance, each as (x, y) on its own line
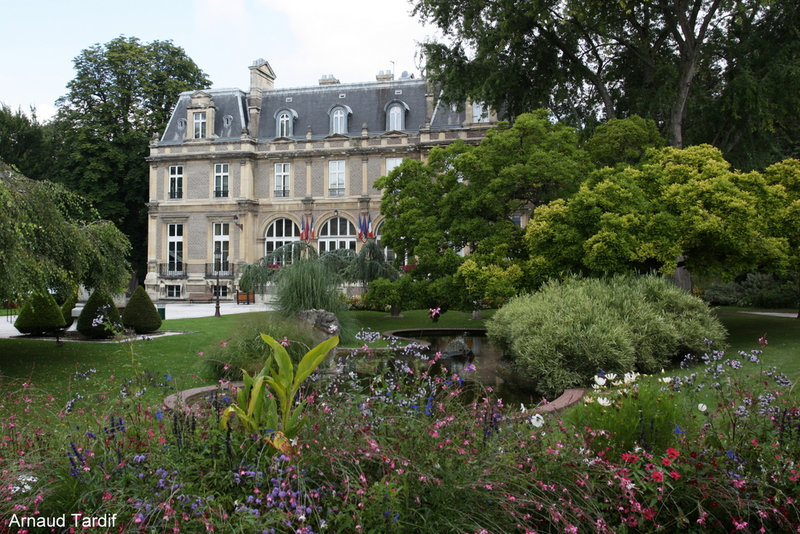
(465, 197)
(120, 98)
(52, 239)
(678, 203)
(675, 62)
(25, 143)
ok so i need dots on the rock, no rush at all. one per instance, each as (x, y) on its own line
(324, 321)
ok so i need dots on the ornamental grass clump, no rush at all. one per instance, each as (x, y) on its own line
(562, 335)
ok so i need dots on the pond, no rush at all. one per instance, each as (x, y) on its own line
(490, 369)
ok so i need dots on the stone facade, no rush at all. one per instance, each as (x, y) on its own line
(242, 173)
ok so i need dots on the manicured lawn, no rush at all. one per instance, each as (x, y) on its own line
(53, 367)
(783, 334)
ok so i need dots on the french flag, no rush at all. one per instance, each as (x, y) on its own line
(311, 227)
(369, 228)
(303, 229)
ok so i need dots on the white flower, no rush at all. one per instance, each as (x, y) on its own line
(537, 420)
(522, 408)
(611, 376)
(630, 377)
(666, 380)
(702, 407)
(601, 381)
(588, 400)
(603, 401)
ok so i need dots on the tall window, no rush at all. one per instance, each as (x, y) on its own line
(339, 121)
(282, 173)
(279, 233)
(221, 244)
(200, 125)
(175, 249)
(176, 181)
(337, 233)
(395, 118)
(336, 178)
(479, 112)
(284, 124)
(220, 180)
(392, 164)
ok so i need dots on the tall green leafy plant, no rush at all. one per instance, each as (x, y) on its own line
(265, 402)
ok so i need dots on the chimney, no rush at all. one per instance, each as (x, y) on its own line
(384, 76)
(328, 79)
(262, 77)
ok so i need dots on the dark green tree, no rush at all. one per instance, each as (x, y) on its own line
(52, 239)
(465, 197)
(25, 143)
(706, 71)
(120, 98)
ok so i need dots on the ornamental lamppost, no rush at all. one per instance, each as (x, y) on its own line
(217, 266)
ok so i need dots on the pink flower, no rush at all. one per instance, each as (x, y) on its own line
(285, 342)
(673, 453)
(657, 476)
(223, 344)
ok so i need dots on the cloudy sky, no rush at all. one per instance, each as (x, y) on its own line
(301, 39)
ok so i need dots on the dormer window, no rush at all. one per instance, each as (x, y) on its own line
(200, 116)
(480, 113)
(395, 116)
(284, 122)
(339, 118)
(199, 124)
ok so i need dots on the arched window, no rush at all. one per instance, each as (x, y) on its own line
(279, 233)
(337, 233)
(395, 115)
(284, 122)
(339, 118)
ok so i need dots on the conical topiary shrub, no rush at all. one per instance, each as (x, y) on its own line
(99, 318)
(140, 313)
(39, 315)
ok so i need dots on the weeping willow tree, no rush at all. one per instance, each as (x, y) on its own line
(305, 280)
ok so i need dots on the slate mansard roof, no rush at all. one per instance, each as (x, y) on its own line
(366, 104)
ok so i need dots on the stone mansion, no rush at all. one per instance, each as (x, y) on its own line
(237, 174)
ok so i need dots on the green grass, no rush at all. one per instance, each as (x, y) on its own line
(52, 367)
(744, 330)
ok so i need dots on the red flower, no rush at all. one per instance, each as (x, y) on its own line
(629, 458)
(675, 475)
(673, 453)
(658, 476)
(666, 461)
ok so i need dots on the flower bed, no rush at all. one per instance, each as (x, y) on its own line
(407, 450)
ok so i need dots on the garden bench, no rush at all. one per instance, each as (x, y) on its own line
(200, 297)
(245, 297)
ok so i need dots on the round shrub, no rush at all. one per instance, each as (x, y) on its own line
(39, 315)
(561, 336)
(382, 294)
(140, 313)
(100, 318)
